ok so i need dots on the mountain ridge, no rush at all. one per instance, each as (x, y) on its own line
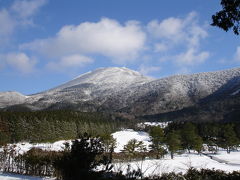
(123, 90)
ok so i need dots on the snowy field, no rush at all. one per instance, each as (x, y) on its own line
(180, 163)
(233, 157)
(8, 176)
(26, 146)
(122, 138)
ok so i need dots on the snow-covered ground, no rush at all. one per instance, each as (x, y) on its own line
(9, 176)
(232, 158)
(26, 146)
(122, 138)
(180, 163)
(56, 146)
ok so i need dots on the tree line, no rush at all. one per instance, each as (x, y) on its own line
(50, 126)
(180, 137)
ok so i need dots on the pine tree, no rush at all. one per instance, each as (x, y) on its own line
(190, 138)
(157, 137)
(133, 146)
(81, 160)
(173, 142)
(197, 144)
(229, 137)
(109, 143)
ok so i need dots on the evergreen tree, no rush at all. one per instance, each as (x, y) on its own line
(173, 142)
(197, 143)
(190, 138)
(82, 159)
(229, 137)
(157, 137)
(133, 146)
(109, 143)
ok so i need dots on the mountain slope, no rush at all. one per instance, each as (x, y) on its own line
(92, 86)
(173, 93)
(125, 91)
(11, 98)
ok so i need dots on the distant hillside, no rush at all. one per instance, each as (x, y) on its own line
(127, 92)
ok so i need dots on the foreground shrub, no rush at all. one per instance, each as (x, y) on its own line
(81, 160)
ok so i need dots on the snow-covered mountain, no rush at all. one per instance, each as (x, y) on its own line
(92, 87)
(108, 78)
(175, 92)
(11, 98)
(124, 90)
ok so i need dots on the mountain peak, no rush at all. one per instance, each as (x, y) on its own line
(11, 98)
(110, 75)
(111, 70)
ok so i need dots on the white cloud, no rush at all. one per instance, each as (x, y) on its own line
(27, 8)
(20, 62)
(170, 28)
(6, 22)
(72, 61)
(174, 39)
(160, 47)
(147, 70)
(237, 54)
(7, 25)
(191, 57)
(185, 31)
(195, 35)
(180, 34)
(11, 18)
(106, 37)
(20, 13)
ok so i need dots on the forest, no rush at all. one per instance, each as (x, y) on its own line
(50, 126)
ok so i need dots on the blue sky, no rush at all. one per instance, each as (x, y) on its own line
(44, 43)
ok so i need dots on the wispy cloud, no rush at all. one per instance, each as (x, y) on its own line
(192, 57)
(237, 54)
(19, 62)
(177, 31)
(185, 34)
(24, 9)
(70, 62)
(7, 24)
(147, 70)
(18, 14)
